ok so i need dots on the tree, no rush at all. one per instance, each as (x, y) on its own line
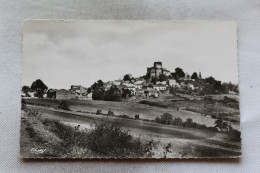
(188, 122)
(217, 86)
(114, 94)
(222, 125)
(174, 76)
(25, 90)
(100, 83)
(225, 88)
(162, 77)
(177, 122)
(94, 86)
(126, 77)
(89, 90)
(98, 93)
(194, 76)
(210, 80)
(153, 80)
(179, 72)
(126, 93)
(166, 118)
(39, 87)
(97, 90)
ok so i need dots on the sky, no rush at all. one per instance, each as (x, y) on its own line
(65, 53)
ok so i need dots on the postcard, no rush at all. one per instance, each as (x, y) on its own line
(129, 89)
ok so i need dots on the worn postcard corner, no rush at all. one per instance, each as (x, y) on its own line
(129, 89)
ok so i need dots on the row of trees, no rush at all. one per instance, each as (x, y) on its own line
(213, 86)
(167, 119)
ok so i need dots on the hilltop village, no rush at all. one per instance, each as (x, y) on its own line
(156, 81)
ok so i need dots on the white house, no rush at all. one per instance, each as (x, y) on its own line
(139, 82)
(139, 91)
(161, 82)
(139, 86)
(191, 86)
(160, 87)
(173, 83)
(117, 82)
(153, 93)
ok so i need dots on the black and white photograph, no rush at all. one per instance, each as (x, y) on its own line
(129, 89)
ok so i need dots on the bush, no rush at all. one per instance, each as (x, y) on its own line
(221, 124)
(63, 105)
(126, 93)
(166, 118)
(98, 93)
(72, 138)
(99, 111)
(177, 122)
(124, 116)
(152, 104)
(137, 116)
(110, 113)
(188, 123)
(114, 94)
(108, 139)
(235, 133)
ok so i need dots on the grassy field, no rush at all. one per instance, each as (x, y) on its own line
(168, 140)
(182, 109)
(125, 108)
(52, 130)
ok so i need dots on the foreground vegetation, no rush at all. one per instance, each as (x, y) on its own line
(105, 139)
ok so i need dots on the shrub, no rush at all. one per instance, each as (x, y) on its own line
(166, 118)
(235, 133)
(124, 116)
(98, 93)
(99, 111)
(137, 116)
(177, 122)
(114, 94)
(63, 105)
(71, 137)
(222, 125)
(152, 104)
(188, 123)
(110, 113)
(213, 129)
(126, 93)
(108, 139)
(32, 112)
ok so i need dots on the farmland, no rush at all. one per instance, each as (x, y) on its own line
(182, 109)
(185, 141)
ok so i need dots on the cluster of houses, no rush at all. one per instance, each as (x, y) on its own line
(142, 86)
(77, 92)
